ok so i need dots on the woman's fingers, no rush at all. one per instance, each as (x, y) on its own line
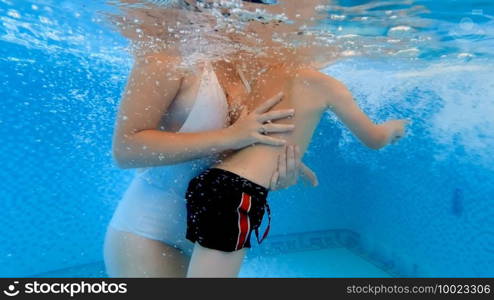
(272, 128)
(298, 157)
(309, 175)
(274, 181)
(288, 168)
(267, 105)
(291, 164)
(282, 165)
(276, 115)
(268, 140)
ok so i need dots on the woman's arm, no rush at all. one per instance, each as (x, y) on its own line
(152, 86)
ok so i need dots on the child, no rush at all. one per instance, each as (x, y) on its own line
(227, 202)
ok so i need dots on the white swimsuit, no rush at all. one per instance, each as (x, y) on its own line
(154, 204)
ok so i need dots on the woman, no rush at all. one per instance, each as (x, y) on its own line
(172, 125)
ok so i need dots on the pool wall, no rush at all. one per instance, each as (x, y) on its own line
(419, 208)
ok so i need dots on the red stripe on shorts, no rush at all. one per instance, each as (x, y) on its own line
(243, 220)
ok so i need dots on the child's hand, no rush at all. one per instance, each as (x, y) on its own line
(396, 129)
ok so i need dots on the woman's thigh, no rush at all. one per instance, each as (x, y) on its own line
(130, 255)
(207, 262)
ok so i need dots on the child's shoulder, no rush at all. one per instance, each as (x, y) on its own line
(316, 78)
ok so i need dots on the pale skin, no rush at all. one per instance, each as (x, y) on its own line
(310, 93)
(145, 136)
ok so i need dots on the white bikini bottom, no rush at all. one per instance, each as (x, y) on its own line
(154, 213)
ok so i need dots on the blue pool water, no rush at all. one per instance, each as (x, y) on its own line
(422, 207)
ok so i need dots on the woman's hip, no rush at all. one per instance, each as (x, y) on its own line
(154, 213)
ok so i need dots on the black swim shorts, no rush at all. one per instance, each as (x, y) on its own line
(223, 209)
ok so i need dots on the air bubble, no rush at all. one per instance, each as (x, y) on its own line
(14, 14)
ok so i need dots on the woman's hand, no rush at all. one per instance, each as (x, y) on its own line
(252, 128)
(290, 167)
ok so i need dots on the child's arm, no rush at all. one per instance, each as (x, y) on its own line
(341, 102)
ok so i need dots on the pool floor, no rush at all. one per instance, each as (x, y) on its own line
(331, 262)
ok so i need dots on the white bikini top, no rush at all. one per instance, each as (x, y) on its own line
(210, 109)
(209, 112)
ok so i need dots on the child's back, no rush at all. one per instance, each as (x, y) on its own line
(310, 93)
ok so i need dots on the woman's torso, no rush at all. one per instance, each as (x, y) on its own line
(153, 204)
(200, 105)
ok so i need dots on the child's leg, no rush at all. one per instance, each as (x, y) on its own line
(222, 211)
(207, 262)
